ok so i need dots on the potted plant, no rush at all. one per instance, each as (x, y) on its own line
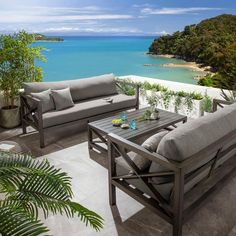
(153, 101)
(207, 105)
(22, 196)
(17, 57)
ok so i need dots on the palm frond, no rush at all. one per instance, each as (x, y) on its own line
(30, 185)
(14, 169)
(87, 216)
(15, 223)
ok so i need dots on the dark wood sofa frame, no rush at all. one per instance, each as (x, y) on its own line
(32, 115)
(174, 211)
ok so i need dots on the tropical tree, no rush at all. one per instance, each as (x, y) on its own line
(17, 64)
(29, 187)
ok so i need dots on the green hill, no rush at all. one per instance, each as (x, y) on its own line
(211, 42)
(41, 37)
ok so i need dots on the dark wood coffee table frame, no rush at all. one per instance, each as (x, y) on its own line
(98, 130)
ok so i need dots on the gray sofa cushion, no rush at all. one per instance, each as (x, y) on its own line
(195, 135)
(36, 87)
(87, 109)
(46, 100)
(151, 145)
(81, 89)
(92, 87)
(62, 99)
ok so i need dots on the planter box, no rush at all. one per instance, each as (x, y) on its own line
(194, 112)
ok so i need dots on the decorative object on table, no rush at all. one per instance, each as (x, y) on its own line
(110, 100)
(154, 114)
(124, 126)
(117, 122)
(16, 69)
(132, 124)
(123, 116)
(150, 114)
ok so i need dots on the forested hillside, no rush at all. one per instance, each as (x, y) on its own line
(211, 42)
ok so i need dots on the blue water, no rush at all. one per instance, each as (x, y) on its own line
(79, 57)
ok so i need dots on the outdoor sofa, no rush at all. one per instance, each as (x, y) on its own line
(49, 104)
(173, 172)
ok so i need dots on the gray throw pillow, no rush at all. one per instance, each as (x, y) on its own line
(151, 145)
(46, 100)
(62, 99)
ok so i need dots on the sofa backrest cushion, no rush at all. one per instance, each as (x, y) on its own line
(81, 89)
(92, 87)
(190, 138)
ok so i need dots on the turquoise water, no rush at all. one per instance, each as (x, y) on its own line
(79, 57)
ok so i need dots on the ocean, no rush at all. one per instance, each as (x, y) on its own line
(79, 57)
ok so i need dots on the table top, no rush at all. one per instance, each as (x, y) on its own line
(166, 119)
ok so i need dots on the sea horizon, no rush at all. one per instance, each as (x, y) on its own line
(90, 55)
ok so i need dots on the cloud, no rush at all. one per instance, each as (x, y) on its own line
(14, 17)
(90, 30)
(175, 11)
(42, 14)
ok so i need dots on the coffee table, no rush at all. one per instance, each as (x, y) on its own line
(98, 130)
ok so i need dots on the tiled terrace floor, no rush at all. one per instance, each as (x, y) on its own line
(217, 217)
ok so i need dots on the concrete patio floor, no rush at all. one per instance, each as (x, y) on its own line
(67, 149)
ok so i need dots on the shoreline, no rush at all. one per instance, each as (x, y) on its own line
(189, 65)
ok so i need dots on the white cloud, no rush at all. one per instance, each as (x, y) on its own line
(15, 17)
(174, 11)
(89, 30)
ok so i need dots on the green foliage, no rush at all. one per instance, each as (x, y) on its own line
(212, 42)
(207, 104)
(206, 81)
(17, 58)
(29, 185)
(41, 37)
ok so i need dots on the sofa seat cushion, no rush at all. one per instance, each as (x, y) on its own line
(88, 108)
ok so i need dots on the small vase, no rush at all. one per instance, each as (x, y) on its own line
(154, 115)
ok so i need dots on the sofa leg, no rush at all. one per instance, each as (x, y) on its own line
(178, 203)
(112, 194)
(111, 173)
(41, 137)
(24, 127)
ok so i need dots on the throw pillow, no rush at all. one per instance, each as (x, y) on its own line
(62, 99)
(151, 145)
(46, 100)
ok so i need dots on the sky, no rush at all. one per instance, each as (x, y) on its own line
(107, 17)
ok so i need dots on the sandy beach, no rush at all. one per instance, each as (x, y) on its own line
(190, 65)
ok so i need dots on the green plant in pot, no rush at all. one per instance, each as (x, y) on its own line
(17, 65)
(207, 105)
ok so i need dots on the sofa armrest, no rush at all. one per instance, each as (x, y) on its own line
(125, 87)
(31, 108)
(220, 103)
(121, 143)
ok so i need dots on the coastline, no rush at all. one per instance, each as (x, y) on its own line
(189, 65)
